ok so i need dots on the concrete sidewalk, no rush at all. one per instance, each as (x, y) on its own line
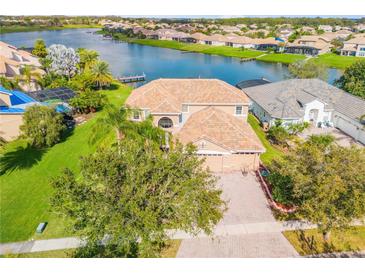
(40, 245)
(245, 229)
(220, 230)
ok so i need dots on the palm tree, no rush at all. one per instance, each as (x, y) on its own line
(101, 74)
(118, 119)
(29, 75)
(113, 119)
(87, 58)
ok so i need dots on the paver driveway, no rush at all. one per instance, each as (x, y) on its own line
(246, 205)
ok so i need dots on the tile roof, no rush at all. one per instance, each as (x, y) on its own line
(168, 95)
(221, 129)
(356, 40)
(282, 99)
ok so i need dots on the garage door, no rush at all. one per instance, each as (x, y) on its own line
(232, 162)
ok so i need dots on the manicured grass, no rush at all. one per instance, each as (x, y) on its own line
(171, 249)
(281, 58)
(25, 188)
(352, 239)
(9, 29)
(271, 151)
(329, 59)
(62, 253)
(335, 61)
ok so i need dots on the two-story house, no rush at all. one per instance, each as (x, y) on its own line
(354, 47)
(206, 112)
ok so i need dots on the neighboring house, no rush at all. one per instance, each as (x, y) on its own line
(310, 100)
(230, 29)
(341, 35)
(267, 43)
(285, 32)
(14, 103)
(215, 39)
(309, 30)
(165, 34)
(12, 107)
(309, 45)
(354, 47)
(326, 28)
(13, 60)
(359, 27)
(206, 112)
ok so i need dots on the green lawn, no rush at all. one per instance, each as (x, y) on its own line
(18, 28)
(25, 188)
(281, 58)
(311, 241)
(271, 151)
(335, 61)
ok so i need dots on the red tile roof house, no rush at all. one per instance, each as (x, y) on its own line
(209, 113)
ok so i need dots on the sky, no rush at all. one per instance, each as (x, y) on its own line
(226, 8)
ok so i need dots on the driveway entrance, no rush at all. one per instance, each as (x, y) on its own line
(247, 205)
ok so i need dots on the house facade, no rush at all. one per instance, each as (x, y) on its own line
(354, 47)
(309, 45)
(209, 113)
(308, 100)
(12, 62)
(12, 108)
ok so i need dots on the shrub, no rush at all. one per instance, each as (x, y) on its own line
(42, 126)
(282, 188)
(278, 134)
(88, 101)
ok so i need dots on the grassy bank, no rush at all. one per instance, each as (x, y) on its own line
(281, 58)
(271, 151)
(26, 189)
(198, 48)
(311, 242)
(335, 61)
(10, 29)
(330, 60)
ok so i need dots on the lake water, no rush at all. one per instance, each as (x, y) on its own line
(131, 59)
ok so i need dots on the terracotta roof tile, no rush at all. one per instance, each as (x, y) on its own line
(175, 92)
(220, 128)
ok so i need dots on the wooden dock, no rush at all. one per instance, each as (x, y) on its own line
(247, 59)
(132, 79)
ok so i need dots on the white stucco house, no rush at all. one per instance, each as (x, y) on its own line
(308, 100)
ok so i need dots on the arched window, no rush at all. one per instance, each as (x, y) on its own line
(165, 122)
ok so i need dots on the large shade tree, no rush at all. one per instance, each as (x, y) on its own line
(353, 79)
(308, 69)
(123, 204)
(40, 48)
(42, 126)
(325, 181)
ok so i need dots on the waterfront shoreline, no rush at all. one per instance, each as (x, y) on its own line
(330, 60)
(18, 29)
